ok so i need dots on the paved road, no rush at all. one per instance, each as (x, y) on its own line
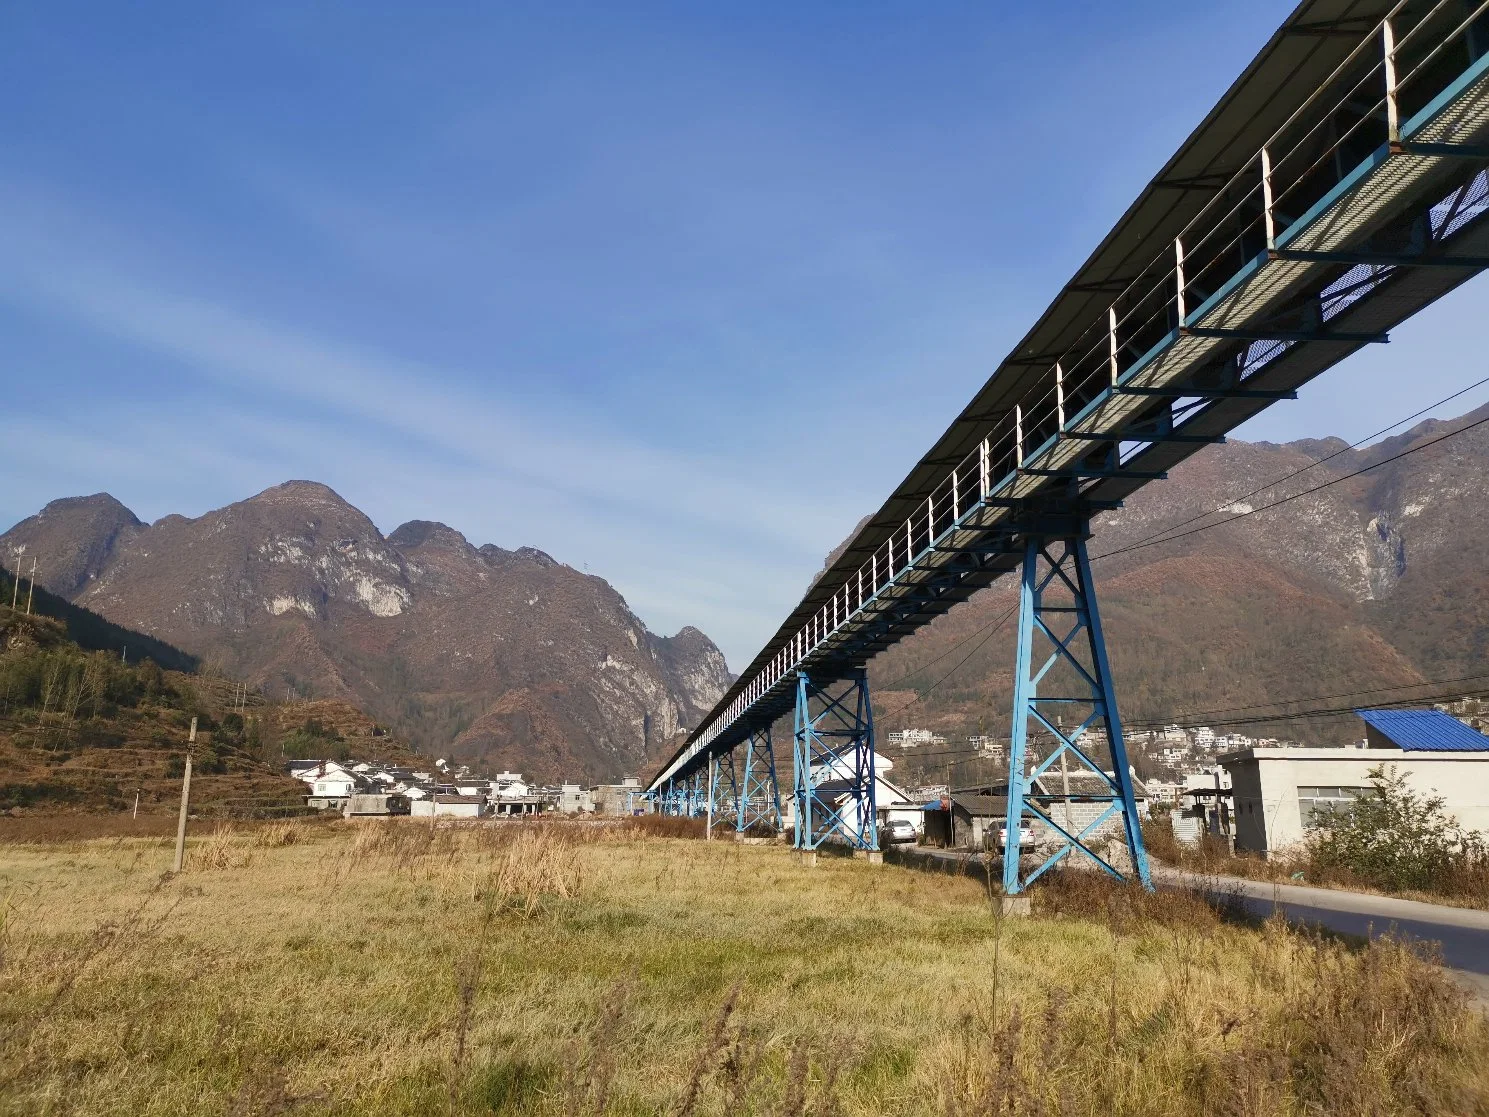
(1462, 933)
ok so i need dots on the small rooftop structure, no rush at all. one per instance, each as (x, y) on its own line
(1420, 731)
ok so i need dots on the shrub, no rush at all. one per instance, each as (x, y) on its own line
(1394, 838)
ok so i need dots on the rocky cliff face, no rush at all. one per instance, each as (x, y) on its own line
(504, 657)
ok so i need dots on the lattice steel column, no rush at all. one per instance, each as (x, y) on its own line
(759, 792)
(834, 760)
(723, 790)
(1061, 565)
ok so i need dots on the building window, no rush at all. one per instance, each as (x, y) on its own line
(1315, 803)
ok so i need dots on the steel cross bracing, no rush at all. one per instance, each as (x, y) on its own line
(723, 787)
(1058, 619)
(1363, 204)
(833, 758)
(760, 793)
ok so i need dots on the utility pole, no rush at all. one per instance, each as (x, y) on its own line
(31, 590)
(185, 799)
(136, 803)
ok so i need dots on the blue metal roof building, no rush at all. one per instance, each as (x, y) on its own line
(1421, 731)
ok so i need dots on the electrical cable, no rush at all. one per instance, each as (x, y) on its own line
(1302, 715)
(1314, 465)
(1298, 495)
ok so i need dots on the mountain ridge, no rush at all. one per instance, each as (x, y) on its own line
(294, 587)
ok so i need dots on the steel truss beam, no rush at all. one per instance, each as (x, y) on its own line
(833, 754)
(1440, 150)
(758, 798)
(1262, 333)
(1143, 436)
(1191, 391)
(1061, 565)
(1383, 259)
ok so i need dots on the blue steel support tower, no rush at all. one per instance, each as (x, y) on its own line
(834, 761)
(760, 791)
(723, 786)
(1057, 604)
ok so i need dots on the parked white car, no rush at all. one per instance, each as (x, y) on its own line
(897, 831)
(1026, 837)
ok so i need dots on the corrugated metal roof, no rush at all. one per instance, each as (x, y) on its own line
(1425, 730)
(982, 806)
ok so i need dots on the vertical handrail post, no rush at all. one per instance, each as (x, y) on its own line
(1388, 50)
(1268, 220)
(1179, 280)
(1111, 331)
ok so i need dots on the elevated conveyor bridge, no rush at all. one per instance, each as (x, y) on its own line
(1338, 187)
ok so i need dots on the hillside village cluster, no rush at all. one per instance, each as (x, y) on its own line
(1262, 795)
(360, 788)
(1186, 758)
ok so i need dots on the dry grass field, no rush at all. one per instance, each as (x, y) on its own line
(316, 968)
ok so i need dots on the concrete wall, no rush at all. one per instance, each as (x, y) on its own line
(1265, 783)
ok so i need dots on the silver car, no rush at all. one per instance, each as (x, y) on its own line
(897, 831)
(1026, 837)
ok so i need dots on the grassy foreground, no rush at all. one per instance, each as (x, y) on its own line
(561, 969)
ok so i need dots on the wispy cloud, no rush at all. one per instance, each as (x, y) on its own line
(313, 405)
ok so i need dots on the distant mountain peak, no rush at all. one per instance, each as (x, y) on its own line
(299, 492)
(542, 558)
(97, 504)
(423, 533)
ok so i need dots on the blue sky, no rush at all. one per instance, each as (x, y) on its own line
(675, 293)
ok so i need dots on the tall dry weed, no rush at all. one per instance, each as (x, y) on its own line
(1374, 1029)
(277, 835)
(222, 848)
(537, 864)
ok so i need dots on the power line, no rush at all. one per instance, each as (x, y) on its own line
(1311, 698)
(920, 697)
(911, 674)
(1295, 496)
(1314, 465)
(1301, 715)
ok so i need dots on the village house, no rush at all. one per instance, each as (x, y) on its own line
(573, 799)
(624, 798)
(1281, 793)
(442, 805)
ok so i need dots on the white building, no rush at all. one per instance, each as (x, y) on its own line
(913, 738)
(573, 799)
(1279, 793)
(446, 806)
(989, 748)
(890, 802)
(1162, 791)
